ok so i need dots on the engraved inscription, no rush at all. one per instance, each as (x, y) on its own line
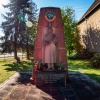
(50, 78)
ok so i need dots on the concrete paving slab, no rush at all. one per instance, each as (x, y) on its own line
(80, 87)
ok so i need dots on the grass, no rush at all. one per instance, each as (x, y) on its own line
(4, 74)
(8, 68)
(83, 66)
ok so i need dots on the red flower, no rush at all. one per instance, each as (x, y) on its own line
(35, 67)
(44, 68)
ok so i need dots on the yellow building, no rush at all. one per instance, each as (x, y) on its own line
(89, 27)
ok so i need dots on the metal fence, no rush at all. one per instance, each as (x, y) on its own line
(7, 56)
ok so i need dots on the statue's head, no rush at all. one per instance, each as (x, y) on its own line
(50, 30)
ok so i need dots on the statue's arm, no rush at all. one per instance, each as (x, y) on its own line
(44, 42)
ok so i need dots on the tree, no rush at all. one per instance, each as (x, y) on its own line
(13, 28)
(30, 40)
(31, 32)
(5, 46)
(70, 28)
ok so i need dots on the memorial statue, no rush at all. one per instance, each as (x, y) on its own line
(50, 52)
(49, 48)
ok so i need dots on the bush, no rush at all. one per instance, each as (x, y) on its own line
(95, 60)
(74, 57)
(83, 55)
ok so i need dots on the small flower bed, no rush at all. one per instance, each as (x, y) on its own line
(59, 66)
(39, 66)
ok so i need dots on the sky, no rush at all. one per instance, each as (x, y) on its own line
(80, 6)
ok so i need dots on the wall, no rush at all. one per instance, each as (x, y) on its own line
(90, 32)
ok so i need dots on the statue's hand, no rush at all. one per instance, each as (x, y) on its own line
(44, 44)
(55, 41)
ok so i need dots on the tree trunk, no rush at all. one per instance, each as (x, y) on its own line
(27, 50)
(15, 51)
(15, 42)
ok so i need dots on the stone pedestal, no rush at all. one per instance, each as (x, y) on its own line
(50, 77)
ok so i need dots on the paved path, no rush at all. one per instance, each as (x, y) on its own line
(80, 87)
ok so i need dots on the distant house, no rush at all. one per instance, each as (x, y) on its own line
(89, 26)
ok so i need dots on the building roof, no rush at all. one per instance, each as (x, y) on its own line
(94, 6)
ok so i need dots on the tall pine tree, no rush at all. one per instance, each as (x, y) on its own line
(15, 29)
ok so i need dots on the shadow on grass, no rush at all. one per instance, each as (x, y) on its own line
(95, 77)
(84, 66)
(24, 66)
(80, 65)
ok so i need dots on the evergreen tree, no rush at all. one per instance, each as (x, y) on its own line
(31, 32)
(15, 29)
(30, 39)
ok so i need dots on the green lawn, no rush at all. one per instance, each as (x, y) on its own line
(83, 66)
(8, 68)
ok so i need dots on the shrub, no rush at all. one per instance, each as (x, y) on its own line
(95, 60)
(74, 57)
(83, 55)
